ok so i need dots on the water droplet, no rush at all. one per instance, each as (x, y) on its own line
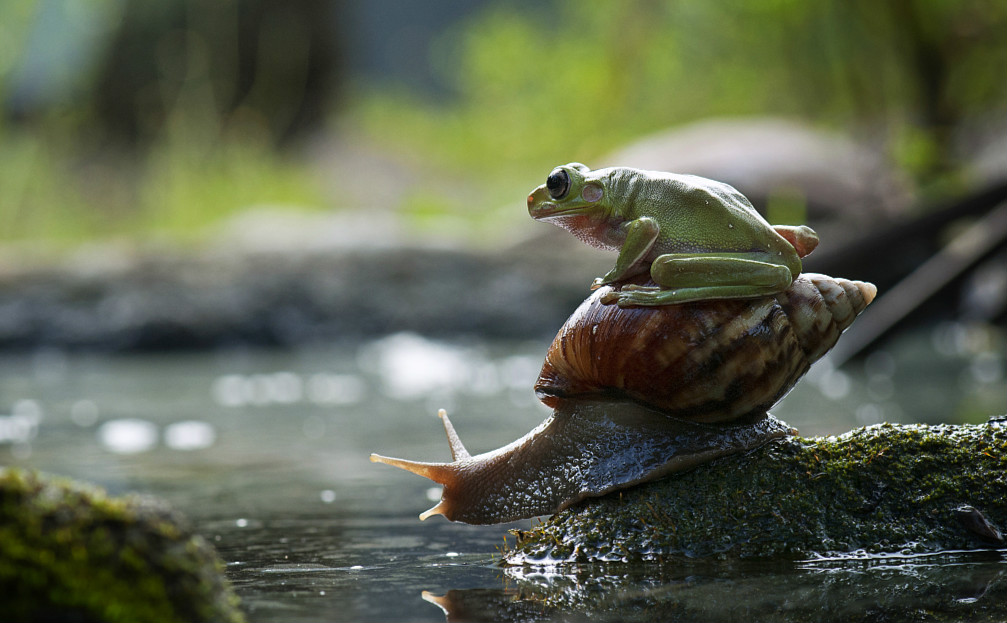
(328, 496)
(241, 523)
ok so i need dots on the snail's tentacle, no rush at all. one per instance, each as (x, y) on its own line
(438, 472)
(441, 473)
(458, 450)
(450, 475)
(446, 474)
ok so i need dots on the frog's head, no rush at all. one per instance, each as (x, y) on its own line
(572, 190)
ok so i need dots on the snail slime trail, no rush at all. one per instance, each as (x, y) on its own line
(644, 387)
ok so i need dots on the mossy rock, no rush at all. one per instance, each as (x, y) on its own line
(884, 488)
(70, 552)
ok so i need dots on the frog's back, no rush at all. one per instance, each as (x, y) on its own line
(697, 197)
(703, 214)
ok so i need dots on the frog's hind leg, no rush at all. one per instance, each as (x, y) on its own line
(686, 277)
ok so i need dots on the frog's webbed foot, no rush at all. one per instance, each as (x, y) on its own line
(613, 278)
(641, 296)
(648, 296)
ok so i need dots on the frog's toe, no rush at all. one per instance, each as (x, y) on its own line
(632, 287)
(609, 298)
(637, 298)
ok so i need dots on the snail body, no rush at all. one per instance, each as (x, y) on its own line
(639, 393)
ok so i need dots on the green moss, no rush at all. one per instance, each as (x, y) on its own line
(70, 552)
(885, 488)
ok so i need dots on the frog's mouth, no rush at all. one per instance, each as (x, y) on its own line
(548, 211)
(542, 208)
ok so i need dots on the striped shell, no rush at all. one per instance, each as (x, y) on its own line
(709, 361)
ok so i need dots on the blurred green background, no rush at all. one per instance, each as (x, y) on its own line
(138, 120)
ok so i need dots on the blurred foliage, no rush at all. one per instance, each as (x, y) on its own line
(138, 121)
(58, 190)
(574, 80)
(188, 113)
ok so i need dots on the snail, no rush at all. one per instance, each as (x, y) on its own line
(641, 392)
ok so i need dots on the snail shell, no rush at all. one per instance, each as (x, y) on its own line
(707, 362)
(639, 393)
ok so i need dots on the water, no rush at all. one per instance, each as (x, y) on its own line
(267, 452)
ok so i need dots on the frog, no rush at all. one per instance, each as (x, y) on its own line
(698, 238)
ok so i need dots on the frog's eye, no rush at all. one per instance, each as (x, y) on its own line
(558, 184)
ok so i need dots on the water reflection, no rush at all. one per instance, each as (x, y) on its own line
(189, 435)
(128, 436)
(411, 367)
(267, 455)
(488, 604)
(288, 388)
(948, 586)
(134, 435)
(21, 425)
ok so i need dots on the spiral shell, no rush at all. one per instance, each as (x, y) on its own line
(709, 361)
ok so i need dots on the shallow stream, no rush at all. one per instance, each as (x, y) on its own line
(266, 452)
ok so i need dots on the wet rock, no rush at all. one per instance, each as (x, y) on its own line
(884, 488)
(69, 552)
(170, 301)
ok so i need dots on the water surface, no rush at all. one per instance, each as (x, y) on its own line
(266, 452)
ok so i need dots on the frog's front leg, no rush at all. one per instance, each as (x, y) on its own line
(641, 234)
(687, 277)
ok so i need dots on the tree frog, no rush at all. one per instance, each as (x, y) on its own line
(699, 238)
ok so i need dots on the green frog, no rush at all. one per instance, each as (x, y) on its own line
(700, 239)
